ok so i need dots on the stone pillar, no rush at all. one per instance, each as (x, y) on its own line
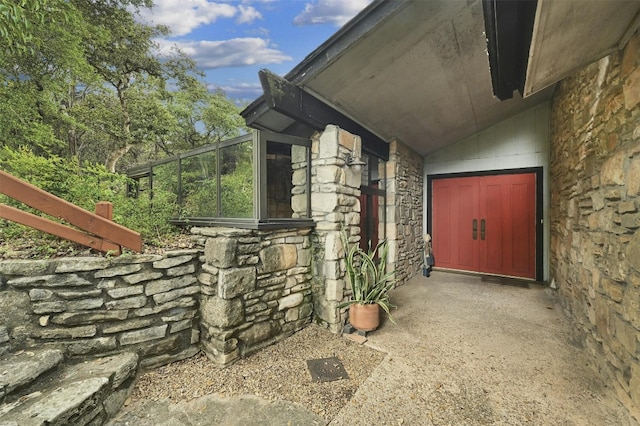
(335, 189)
(404, 194)
(256, 289)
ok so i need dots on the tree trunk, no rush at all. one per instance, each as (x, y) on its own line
(115, 156)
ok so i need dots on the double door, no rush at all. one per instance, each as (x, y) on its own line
(486, 224)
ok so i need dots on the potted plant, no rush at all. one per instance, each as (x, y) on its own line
(370, 284)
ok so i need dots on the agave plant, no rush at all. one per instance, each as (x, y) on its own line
(368, 277)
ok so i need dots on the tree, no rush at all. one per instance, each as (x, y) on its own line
(81, 79)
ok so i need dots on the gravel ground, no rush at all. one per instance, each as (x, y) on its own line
(278, 372)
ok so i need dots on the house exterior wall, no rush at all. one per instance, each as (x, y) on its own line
(595, 213)
(521, 141)
(404, 188)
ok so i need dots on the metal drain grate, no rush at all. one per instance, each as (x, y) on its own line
(326, 369)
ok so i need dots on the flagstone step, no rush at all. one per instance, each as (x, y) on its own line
(84, 393)
(23, 367)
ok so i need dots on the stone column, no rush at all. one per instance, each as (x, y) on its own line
(335, 189)
(404, 196)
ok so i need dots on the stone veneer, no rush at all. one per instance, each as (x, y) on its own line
(595, 213)
(335, 191)
(243, 290)
(88, 306)
(256, 289)
(335, 188)
(404, 185)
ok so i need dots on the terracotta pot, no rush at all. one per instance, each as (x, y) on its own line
(364, 317)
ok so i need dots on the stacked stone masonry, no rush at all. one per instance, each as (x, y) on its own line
(146, 304)
(256, 289)
(404, 210)
(595, 213)
(241, 291)
(335, 207)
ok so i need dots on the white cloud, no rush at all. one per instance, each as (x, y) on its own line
(336, 12)
(240, 90)
(183, 16)
(236, 52)
(248, 14)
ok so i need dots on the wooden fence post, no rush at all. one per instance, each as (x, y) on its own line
(105, 209)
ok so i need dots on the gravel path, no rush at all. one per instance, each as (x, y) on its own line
(278, 372)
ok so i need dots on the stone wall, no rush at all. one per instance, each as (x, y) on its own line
(256, 289)
(404, 201)
(335, 188)
(595, 213)
(146, 304)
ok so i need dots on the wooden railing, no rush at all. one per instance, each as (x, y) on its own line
(97, 229)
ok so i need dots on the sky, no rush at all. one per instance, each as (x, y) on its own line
(231, 40)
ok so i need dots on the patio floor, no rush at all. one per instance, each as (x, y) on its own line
(472, 350)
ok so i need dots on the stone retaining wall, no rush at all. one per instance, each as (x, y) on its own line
(256, 289)
(595, 213)
(243, 290)
(146, 304)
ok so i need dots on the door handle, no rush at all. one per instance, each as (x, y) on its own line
(483, 226)
(474, 229)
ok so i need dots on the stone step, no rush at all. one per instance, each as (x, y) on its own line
(89, 392)
(24, 367)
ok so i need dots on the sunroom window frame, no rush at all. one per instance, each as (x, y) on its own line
(260, 219)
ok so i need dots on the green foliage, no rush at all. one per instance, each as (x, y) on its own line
(82, 78)
(83, 93)
(84, 186)
(368, 277)
(236, 191)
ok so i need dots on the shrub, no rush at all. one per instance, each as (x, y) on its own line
(84, 186)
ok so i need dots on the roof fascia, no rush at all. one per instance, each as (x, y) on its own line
(337, 44)
(509, 30)
(296, 103)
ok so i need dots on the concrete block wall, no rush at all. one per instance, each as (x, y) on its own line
(595, 213)
(146, 304)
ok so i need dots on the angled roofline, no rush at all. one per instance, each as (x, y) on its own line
(318, 60)
(509, 31)
(358, 27)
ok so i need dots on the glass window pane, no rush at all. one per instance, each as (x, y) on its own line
(199, 183)
(165, 185)
(236, 180)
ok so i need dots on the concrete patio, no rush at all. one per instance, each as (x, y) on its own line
(473, 350)
(464, 350)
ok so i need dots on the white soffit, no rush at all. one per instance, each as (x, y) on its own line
(568, 35)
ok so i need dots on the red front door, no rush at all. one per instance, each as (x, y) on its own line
(486, 224)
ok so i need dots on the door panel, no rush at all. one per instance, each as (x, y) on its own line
(503, 208)
(455, 214)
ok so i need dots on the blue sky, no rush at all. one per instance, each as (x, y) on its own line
(231, 40)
